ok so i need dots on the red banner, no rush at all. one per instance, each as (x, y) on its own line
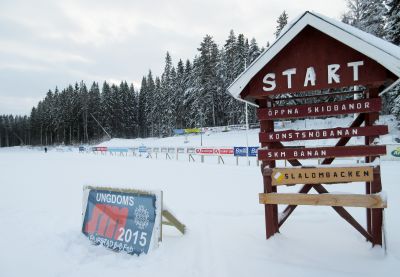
(320, 152)
(323, 109)
(100, 148)
(291, 135)
(214, 151)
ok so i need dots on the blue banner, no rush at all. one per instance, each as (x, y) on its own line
(142, 149)
(179, 131)
(253, 151)
(118, 149)
(239, 151)
(121, 221)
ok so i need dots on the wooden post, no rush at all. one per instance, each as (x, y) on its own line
(271, 210)
(374, 216)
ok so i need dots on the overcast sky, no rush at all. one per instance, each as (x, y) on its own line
(49, 43)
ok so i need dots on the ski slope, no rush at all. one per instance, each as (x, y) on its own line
(41, 204)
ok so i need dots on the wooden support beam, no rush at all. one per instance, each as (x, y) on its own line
(372, 201)
(173, 221)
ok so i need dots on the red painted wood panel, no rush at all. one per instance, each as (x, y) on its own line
(320, 152)
(292, 135)
(323, 109)
(312, 48)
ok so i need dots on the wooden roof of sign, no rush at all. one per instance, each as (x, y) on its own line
(353, 57)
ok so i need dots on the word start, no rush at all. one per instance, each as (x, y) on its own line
(310, 76)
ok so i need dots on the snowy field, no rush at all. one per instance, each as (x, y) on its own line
(41, 204)
(40, 215)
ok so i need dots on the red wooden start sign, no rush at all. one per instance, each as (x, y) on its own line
(313, 61)
(317, 53)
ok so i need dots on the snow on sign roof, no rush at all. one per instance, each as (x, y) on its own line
(383, 52)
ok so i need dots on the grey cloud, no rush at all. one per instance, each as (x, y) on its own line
(45, 43)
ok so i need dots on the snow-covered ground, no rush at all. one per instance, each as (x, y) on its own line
(40, 219)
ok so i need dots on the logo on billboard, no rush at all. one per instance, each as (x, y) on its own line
(396, 152)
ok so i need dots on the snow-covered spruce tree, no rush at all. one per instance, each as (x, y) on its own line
(142, 107)
(282, 21)
(393, 22)
(168, 112)
(124, 103)
(156, 108)
(254, 51)
(228, 74)
(84, 110)
(133, 107)
(393, 35)
(242, 51)
(354, 14)
(190, 114)
(179, 92)
(107, 117)
(367, 15)
(193, 98)
(207, 81)
(94, 109)
(373, 17)
(153, 106)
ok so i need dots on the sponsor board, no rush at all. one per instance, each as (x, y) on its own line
(244, 151)
(253, 151)
(393, 152)
(156, 149)
(191, 150)
(206, 151)
(142, 149)
(240, 151)
(122, 219)
(192, 131)
(171, 150)
(322, 175)
(179, 131)
(118, 149)
(99, 148)
(164, 150)
(180, 150)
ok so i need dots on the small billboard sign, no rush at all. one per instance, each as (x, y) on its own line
(122, 219)
(253, 151)
(239, 151)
